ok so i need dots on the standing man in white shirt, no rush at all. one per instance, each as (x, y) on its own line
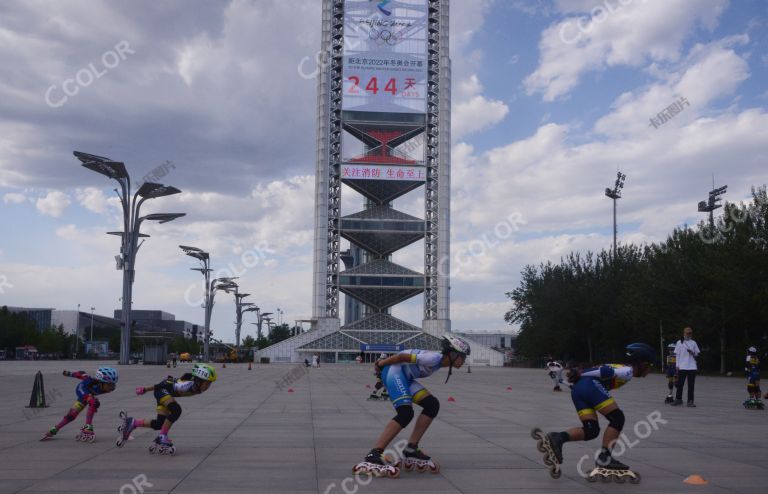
(686, 351)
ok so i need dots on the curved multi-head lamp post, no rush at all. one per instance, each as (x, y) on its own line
(130, 235)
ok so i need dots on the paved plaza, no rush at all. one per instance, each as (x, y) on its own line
(249, 433)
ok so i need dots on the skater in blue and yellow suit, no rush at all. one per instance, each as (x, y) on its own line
(590, 394)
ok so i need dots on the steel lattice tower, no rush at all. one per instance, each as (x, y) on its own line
(379, 229)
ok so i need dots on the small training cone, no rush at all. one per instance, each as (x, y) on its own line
(695, 480)
(368, 386)
(451, 398)
(250, 366)
(509, 388)
(290, 390)
(223, 365)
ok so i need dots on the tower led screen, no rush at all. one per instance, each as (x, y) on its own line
(385, 56)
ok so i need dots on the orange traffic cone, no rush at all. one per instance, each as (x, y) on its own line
(695, 480)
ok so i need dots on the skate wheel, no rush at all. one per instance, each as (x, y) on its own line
(605, 478)
(421, 468)
(635, 479)
(548, 462)
(120, 443)
(555, 474)
(540, 446)
(356, 469)
(620, 479)
(91, 439)
(591, 478)
(537, 433)
(408, 466)
(172, 451)
(435, 467)
(393, 473)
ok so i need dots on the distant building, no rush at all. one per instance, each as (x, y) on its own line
(498, 341)
(157, 319)
(40, 316)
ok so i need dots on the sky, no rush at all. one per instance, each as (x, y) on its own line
(550, 98)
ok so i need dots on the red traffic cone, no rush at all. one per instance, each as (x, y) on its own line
(368, 386)
(509, 388)
(290, 390)
(451, 398)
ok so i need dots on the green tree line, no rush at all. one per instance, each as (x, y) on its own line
(713, 278)
(17, 330)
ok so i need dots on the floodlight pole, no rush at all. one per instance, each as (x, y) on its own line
(615, 194)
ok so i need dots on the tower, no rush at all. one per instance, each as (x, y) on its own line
(384, 131)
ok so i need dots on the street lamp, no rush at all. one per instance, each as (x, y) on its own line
(615, 194)
(280, 316)
(92, 309)
(205, 262)
(215, 285)
(77, 333)
(131, 206)
(239, 304)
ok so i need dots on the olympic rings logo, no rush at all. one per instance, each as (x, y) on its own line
(384, 36)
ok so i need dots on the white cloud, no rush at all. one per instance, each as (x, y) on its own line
(474, 112)
(94, 200)
(14, 198)
(711, 71)
(630, 34)
(53, 204)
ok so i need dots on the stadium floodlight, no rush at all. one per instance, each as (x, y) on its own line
(615, 194)
(712, 203)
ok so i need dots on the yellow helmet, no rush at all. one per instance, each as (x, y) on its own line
(204, 372)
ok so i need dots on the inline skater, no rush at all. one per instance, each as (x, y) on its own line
(590, 396)
(103, 381)
(399, 373)
(168, 410)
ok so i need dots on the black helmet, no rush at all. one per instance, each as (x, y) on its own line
(641, 352)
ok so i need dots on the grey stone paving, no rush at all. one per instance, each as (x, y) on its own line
(248, 435)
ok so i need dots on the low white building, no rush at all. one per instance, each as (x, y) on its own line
(371, 336)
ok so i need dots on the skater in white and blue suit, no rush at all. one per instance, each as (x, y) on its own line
(399, 373)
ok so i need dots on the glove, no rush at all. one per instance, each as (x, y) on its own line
(67, 373)
(140, 390)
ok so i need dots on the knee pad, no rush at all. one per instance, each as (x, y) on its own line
(616, 419)
(591, 429)
(175, 409)
(404, 415)
(431, 406)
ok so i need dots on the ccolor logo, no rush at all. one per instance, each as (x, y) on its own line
(381, 5)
